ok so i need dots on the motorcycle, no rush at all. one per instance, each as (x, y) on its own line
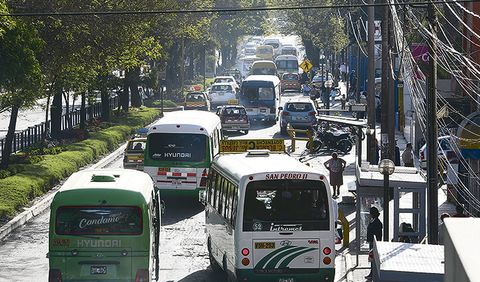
(341, 141)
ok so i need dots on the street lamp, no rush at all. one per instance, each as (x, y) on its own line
(386, 167)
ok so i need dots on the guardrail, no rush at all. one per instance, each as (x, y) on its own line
(37, 133)
(292, 132)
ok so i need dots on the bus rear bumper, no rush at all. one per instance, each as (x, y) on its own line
(327, 274)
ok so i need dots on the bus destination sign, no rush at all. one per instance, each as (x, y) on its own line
(243, 145)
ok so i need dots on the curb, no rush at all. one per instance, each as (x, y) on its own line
(41, 206)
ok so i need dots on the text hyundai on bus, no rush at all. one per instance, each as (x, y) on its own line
(260, 95)
(180, 148)
(105, 226)
(269, 218)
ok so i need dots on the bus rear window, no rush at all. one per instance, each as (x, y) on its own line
(279, 205)
(98, 220)
(180, 147)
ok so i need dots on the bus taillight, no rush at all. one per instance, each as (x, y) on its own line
(142, 275)
(203, 180)
(327, 251)
(245, 251)
(327, 260)
(54, 275)
(245, 261)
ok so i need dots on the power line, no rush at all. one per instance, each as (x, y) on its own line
(226, 10)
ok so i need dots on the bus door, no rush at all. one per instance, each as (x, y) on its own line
(288, 223)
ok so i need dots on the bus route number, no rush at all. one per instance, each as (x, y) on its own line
(264, 245)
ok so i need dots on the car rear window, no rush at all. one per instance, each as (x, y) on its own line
(234, 111)
(195, 98)
(223, 80)
(299, 107)
(136, 146)
(98, 220)
(290, 76)
(221, 88)
(179, 147)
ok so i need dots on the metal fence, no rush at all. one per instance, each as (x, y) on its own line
(37, 133)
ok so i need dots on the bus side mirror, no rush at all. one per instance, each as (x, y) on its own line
(162, 207)
(201, 196)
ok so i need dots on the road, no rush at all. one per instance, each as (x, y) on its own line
(183, 254)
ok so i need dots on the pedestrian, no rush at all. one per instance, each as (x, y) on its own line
(441, 228)
(407, 156)
(343, 100)
(397, 155)
(374, 231)
(336, 166)
(459, 211)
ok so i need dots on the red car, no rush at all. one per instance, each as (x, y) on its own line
(291, 82)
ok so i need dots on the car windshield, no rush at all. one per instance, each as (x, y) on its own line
(290, 76)
(98, 220)
(299, 107)
(218, 88)
(273, 203)
(180, 147)
(264, 71)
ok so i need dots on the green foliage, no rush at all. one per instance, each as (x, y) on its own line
(166, 103)
(35, 179)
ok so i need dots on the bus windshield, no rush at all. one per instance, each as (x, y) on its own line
(98, 220)
(276, 205)
(180, 147)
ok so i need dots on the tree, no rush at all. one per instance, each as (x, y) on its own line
(20, 75)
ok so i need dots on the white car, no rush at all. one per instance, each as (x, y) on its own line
(223, 93)
(445, 151)
(227, 79)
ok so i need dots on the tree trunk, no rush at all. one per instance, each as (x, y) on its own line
(172, 69)
(105, 99)
(83, 112)
(133, 80)
(47, 108)
(125, 95)
(7, 150)
(191, 64)
(68, 118)
(56, 113)
(181, 76)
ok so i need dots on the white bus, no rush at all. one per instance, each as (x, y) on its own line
(286, 63)
(269, 218)
(260, 95)
(179, 150)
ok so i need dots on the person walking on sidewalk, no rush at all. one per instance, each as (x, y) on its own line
(407, 156)
(336, 166)
(374, 230)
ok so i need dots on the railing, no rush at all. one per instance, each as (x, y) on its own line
(37, 133)
(292, 132)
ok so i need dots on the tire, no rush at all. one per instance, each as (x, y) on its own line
(345, 146)
(245, 131)
(213, 263)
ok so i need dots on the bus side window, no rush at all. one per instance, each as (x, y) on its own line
(228, 202)
(234, 204)
(210, 187)
(214, 189)
(220, 200)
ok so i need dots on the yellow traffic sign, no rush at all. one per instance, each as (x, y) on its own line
(243, 145)
(306, 65)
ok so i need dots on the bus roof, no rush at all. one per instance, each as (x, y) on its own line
(271, 78)
(241, 165)
(191, 119)
(118, 179)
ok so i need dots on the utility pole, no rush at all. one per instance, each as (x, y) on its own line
(357, 81)
(386, 116)
(432, 134)
(371, 146)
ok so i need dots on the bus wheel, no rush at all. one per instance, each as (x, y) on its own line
(213, 263)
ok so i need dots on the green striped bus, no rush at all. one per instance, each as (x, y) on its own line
(269, 218)
(180, 148)
(105, 226)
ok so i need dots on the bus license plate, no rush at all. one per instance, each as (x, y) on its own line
(98, 269)
(265, 245)
(286, 280)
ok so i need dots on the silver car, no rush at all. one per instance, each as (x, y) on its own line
(299, 114)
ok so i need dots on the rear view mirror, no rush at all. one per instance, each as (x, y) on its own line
(280, 108)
